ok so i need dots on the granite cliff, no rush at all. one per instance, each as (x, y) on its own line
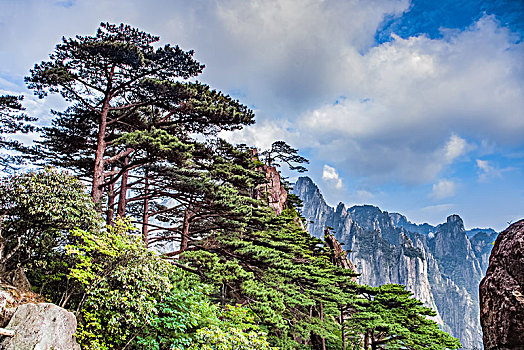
(441, 264)
(502, 292)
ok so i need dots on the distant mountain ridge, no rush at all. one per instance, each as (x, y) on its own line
(442, 265)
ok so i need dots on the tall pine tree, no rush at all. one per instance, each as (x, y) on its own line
(118, 82)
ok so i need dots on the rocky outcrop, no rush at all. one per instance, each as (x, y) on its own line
(441, 265)
(273, 191)
(400, 220)
(454, 252)
(41, 326)
(339, 256)
(29, 323)
(457, 308)
(315, 207)
(502, 292)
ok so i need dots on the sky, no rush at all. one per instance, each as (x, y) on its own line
(414, 106)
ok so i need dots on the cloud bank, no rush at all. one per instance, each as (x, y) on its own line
(407, 109)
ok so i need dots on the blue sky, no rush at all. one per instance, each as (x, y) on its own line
(414, 106)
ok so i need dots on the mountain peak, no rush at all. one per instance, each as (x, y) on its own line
(455, 220)
(305, 180)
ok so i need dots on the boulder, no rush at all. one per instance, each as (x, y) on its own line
(41, 326)
(502, 292)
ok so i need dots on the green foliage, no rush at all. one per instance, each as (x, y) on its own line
(38, 210)
(283, 274)
(133, 297)
(188, 321)
(234, 331)
(210, 192)
(122, 285)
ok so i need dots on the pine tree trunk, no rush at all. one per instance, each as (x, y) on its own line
(373, 343)
(185, 230)
(110, 213)
(145, 214)
(122, 199)
(98, 171)
(3, 242)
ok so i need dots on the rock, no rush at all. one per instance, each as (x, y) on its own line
(502, 292)
(41, 326)
(317, 213)
(273, 191)
(454, 252)
(339, 256)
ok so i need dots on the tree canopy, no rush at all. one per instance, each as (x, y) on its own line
(37, 211)
(118, 82)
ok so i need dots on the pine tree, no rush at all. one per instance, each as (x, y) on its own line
(118, 83)
(389, 317)
(208, 194)
(283, 274)
(12, 120)
(281, 152)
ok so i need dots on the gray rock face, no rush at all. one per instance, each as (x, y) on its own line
(482, 243)
(440, 264)
(502, 292)
(41, 327)
(453, 249)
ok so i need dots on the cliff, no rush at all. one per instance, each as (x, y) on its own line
(502, 292)
(441, 265)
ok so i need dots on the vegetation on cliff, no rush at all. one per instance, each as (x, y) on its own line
(178, 247)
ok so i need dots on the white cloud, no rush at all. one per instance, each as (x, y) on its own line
(486, 171)
(455, 147)
(443, 189)
(331, 177)
(403, 119)
(263, 135)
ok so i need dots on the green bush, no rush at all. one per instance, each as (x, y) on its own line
(38, 211)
